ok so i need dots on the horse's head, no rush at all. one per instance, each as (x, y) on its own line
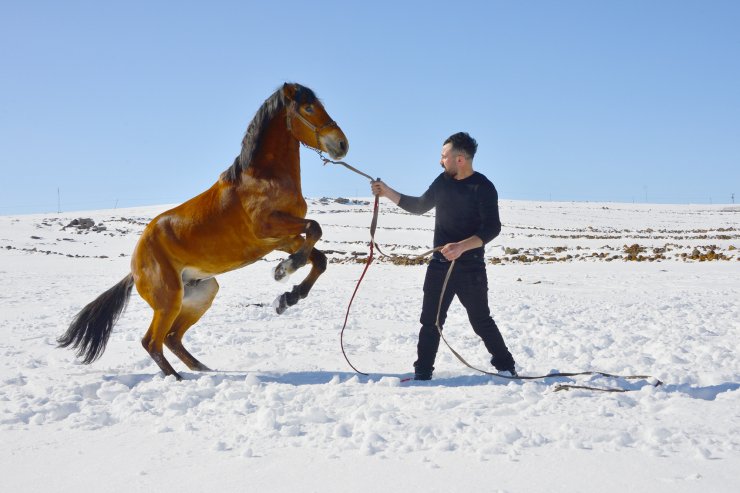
(309, 122)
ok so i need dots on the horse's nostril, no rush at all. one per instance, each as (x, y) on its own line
(343, 145)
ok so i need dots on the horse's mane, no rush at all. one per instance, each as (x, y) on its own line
(269, 109)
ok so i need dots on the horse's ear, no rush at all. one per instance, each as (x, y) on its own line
(289, 91)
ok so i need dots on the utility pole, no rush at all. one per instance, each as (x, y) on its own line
(733, 197)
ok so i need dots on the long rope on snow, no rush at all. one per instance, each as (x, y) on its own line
(374, 245)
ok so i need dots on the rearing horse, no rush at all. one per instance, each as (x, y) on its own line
(255, 207)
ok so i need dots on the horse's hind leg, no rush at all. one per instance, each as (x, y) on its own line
(197, 300)
(153, 340)
(300, 291)
(160, 286)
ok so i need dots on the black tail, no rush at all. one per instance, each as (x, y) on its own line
(89, 331)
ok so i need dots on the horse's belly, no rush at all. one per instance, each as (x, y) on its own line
(209, 265)
(194, 273)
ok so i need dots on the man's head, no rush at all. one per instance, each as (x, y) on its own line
(457, 155)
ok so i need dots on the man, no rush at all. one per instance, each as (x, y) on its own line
(466, 219)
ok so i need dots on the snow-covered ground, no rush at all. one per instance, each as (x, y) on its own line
(284, 412)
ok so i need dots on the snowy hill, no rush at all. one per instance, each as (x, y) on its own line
(620, 288)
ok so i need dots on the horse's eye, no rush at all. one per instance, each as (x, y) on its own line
(308, 109)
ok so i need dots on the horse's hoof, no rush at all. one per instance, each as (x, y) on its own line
(287, 299)
(280, 272)
(177, 376)
(281, 303)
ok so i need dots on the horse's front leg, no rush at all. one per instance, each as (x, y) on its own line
(292, 227)
(300, 291)
(301, 251)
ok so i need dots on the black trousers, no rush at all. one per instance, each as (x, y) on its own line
(469, 282)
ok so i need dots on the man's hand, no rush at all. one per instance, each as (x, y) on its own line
(452, 251)
(379, 188)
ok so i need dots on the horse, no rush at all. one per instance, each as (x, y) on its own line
(254, 208)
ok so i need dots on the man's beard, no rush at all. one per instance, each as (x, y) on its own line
(450, 173)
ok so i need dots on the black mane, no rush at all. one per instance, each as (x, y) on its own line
(269, 109)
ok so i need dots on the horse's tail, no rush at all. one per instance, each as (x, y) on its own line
(89, 331)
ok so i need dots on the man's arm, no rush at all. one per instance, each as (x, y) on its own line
(490, 222)
(414, 205)
(489, 228)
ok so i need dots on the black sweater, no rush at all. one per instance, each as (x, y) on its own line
(464, 208)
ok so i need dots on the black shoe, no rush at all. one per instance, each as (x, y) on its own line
(422, 375)
(511, 370)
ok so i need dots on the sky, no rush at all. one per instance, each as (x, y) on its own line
(119, 104)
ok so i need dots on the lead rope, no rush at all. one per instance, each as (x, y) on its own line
(374, 245)
(373, 225)
(550, 375)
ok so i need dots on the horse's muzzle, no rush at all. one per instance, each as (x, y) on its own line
(336, 145)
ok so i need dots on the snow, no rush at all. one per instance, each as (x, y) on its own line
(284, 412)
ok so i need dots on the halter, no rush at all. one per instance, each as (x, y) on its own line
(316, 130)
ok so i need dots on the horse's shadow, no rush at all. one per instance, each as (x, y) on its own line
(303, 378)
(306, 378)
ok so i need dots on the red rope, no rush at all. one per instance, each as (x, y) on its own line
(359, 281)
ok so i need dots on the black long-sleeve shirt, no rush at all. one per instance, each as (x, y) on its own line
(464, 208)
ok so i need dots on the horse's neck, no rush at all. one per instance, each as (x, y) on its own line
(278, 153)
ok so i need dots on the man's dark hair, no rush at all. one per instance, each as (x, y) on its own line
(463, 142)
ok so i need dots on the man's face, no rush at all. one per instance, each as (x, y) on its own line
(449, 160)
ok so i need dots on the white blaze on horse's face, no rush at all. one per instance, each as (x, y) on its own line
(334, 142)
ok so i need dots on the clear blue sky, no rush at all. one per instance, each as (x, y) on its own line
(136, 103)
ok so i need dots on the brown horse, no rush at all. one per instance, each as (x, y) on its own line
(255, 207)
